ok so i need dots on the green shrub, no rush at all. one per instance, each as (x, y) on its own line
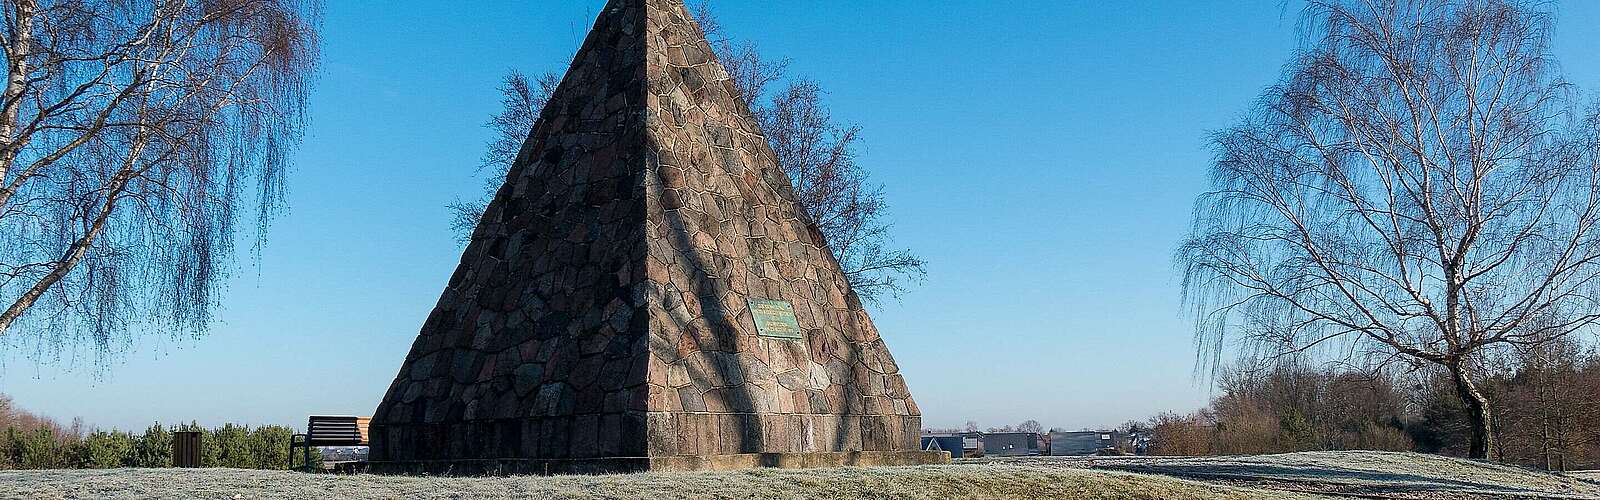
(39, 449)
(233, 447)
(8, 448)
(153, 448)
(104, 450)
(270, 445)
(1295, 433)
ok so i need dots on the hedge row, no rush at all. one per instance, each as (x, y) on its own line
(235, 446)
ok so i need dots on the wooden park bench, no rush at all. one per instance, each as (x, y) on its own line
(328, 430)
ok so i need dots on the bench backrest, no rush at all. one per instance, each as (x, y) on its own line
(327, 430)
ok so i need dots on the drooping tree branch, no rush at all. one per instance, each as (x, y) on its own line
(128, 130)
(1418, 184)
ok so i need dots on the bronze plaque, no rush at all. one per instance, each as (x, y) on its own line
(775, 318)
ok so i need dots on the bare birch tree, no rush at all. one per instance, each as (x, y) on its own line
(1418, 187)
(818, 154)
(132, 134)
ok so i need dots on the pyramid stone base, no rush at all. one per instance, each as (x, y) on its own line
(618, 465)
(641, 442)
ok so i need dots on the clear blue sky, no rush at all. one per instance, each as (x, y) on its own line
(1041, 155)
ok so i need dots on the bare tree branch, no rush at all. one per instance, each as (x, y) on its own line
(1416, 184)
(129, 131)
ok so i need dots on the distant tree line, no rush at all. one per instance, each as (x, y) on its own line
(972, 426)
(31, 441)
(1546, 400)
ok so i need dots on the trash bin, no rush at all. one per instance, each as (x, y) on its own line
(186, 449)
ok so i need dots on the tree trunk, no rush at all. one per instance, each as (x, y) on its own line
(18, 49)
(1478, 416)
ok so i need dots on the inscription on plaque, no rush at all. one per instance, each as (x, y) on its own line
(775, 318)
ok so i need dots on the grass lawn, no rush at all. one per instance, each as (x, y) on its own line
(1361, 473)
(943, 482)
(1367, 472)
(1291, 475)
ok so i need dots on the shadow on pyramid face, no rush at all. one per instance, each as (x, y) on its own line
(709, 292)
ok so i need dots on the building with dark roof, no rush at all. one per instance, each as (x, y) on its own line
(1085, 442)
(1010, 444)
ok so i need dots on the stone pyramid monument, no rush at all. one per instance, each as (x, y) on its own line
(644, 293)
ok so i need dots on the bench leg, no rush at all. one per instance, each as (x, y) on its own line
(304, 442)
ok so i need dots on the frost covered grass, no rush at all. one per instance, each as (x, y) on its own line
(1292, 475)
(943, 482)
(1369, 473)
(1382, 471)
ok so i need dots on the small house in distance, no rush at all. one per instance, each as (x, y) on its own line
(959, 445)
(1085, 442)
(1010, 444)
(951, 444)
